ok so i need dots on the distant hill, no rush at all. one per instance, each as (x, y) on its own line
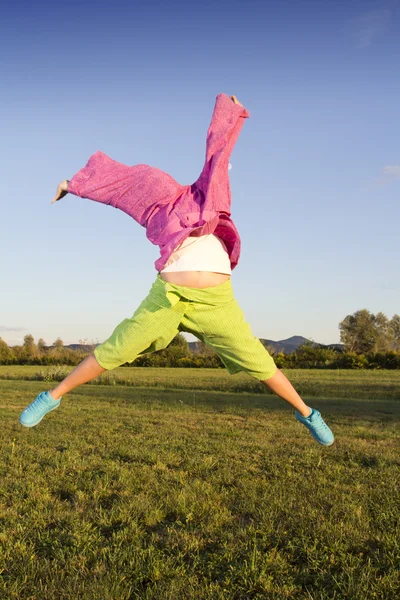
(294, 342)
(287, 346)
(82, 347)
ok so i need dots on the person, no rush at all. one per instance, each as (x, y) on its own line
(199, 246)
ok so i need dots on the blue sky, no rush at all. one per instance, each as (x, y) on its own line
(315, 174)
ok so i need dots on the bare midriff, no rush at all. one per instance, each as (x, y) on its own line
(195, 279)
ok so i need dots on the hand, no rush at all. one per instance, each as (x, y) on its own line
(62, 191)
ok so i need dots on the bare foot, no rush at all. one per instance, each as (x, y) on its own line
(62, 191)
(235, 100)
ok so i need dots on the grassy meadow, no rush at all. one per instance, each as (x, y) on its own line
(190, 484)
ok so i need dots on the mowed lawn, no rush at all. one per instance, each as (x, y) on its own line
(129, 492)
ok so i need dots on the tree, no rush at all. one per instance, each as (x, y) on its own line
(395, 325)
(59, 344)
(41, 345)
(5, 353)
(365, 332)
(29, 347)
(178, 348)
(357, 331)
(29, 341)
(384, 331)
(179, 341)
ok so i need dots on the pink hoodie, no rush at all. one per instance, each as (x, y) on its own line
(170, 212)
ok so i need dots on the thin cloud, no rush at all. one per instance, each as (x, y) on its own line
(391, 171)
(386, 288)
(370, 25)
(4, 329)
(388, 174)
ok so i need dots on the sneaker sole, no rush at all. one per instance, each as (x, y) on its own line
(323, 443)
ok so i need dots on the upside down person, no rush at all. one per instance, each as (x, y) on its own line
(199, 247)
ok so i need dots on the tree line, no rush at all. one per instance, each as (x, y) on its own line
(177, 354)
(368, 342)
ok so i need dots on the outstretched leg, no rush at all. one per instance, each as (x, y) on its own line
(219, 322)
(310, 417)
(86, 371)
(226, 123)
(281, 386)
(45, 402)
(152, 327)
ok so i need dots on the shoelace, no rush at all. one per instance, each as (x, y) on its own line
(36, 404)
(321, 424)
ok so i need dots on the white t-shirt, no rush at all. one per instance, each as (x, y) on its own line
(204, 253)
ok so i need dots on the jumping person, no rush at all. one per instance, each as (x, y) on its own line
(199, 246)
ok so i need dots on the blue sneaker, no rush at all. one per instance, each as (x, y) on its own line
(35, 412)
(319, 429)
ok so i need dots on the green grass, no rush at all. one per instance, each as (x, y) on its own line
(151, 493)
(378, 384)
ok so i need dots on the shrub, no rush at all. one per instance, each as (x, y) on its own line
(351, 360)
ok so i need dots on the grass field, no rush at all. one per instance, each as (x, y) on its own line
(178, 494)
(310, 382)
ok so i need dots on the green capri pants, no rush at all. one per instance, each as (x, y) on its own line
(211, 314)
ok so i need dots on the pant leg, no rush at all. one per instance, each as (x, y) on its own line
(226, 124)
(136, 190)
(152, 327)
(224, 328)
